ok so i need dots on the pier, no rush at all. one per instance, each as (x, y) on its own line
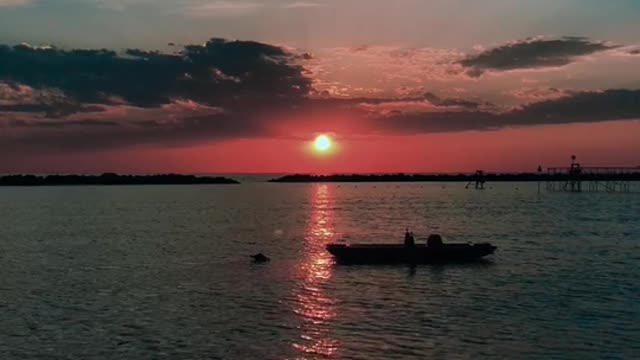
(578, 178)
(478, 179)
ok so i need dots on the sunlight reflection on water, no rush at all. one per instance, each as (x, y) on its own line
(312, 302)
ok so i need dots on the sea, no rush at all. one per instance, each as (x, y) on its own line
(164, 272)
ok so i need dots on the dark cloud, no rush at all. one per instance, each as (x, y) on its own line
(52, 98)
(577, 107)
(95, 134)
(186, 123)
(468, 104)
(67, 100)
(216, 73)
(582, 107)
(91, 134)
(50, 110)
(58, 100)
(59, 124)
(532, 53)
(431, 98)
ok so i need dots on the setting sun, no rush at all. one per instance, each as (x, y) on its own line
(322, 143)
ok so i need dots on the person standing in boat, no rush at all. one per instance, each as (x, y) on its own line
(408, 238)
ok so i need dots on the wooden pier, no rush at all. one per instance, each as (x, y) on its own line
(578, 178)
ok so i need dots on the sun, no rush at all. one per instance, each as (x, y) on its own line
(322, 143)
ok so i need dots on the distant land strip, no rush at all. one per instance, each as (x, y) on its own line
(306, 178)
(111, 179)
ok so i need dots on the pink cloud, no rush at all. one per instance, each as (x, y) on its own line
(11, 94)
(538, 93)
(383, 67)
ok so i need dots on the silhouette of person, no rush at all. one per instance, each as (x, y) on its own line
(408, 238)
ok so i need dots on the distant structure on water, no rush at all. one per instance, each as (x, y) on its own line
(596, 178)
(479, 179)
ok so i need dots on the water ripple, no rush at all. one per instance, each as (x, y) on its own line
(164, 272)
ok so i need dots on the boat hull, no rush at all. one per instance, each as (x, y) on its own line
(418, 254)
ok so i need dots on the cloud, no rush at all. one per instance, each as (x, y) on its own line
(533, 94)
(595, 106)
(22, 98)
(119, 5)
(428, 97)
(221, 8)
(586, 106)
(216, 73)
(532, 54)
(423, 103)
(65, 100)
(301, 5)
(229, 8)
(55, 97)
(55, 124)
(175, 124)
(187, 123)
(345, 71)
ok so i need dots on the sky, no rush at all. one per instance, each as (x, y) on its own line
(214, 86)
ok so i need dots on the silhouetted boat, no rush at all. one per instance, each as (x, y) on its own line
(433, 252)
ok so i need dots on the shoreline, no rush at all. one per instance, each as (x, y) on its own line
(112, 179)
(516, 177)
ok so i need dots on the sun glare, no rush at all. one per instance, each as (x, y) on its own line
(322, 143)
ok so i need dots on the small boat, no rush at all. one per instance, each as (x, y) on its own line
(432, 252)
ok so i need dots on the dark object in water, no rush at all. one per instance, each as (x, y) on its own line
(434, 252)
(260, 258)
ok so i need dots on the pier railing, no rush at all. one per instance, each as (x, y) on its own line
(576, 178)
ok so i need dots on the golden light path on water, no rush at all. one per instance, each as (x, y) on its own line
(312, 303)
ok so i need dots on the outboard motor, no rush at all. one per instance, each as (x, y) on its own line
(434, 240)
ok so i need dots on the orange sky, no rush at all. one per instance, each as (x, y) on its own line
(243, 86)
(514, 149)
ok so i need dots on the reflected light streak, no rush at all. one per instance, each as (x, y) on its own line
(312, 303)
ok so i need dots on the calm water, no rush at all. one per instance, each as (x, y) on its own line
(163, 272)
